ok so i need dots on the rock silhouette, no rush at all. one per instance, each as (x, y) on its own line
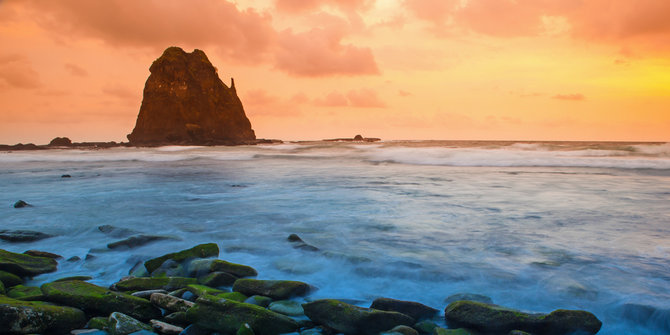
(185, 102)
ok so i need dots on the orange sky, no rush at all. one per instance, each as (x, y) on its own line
(313, 69)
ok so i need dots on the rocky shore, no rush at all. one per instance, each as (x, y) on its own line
(193, 292)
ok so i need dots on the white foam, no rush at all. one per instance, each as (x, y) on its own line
(662, 150)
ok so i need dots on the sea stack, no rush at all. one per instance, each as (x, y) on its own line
(186, 103)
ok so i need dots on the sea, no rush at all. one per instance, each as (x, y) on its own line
(534, 226)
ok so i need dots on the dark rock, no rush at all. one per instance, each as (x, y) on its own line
(24, 317)
(245, 329)
(165, 328)
(298, 243)
(358, 138)
(414, 309)
(21, 204)
(153, 283)
(25, 265)
(496, 319)
(201, 267)
(122, 324)
(425, 327)
(185, 102)
(287, 307)
(60, 142)
(468, 296)
(196, 330)
(228, 316)
(350, 319)
(98, 322)
(66, 176)
(73, 259)
(459, 331)
(22, 236)
(38, 253)
(147, 294)
(216, 279)
(136, 241)
(178, 318)
(26, 293)
(10, 279)
(234, 296)
(82, 278)
(200, 290)
(170, 303)
(95, 299)
(402, 330)
(199, 251)
(275, 289)
(115, 231)
(259, 300)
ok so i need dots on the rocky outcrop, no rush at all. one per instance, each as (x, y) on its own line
(60, 142)
(185, 102)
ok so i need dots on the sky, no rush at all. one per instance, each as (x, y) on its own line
(312, 69)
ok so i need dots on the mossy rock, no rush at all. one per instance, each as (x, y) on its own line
(227, 316)
(200, 290)
(217, 279)
(170, 303)
(199, 251)
(416, 310)
(275, 289)
(10, 279)
(258, 300)
(26, 317)
(459, 331)
(2, 288)
(402, 330)
(287, 307)
(489, 318)
(98, 322)
(203, 267)
(425, 327)
(350, 319)
(98, 300)
(122, 324)
(82, 278)
(26, 265)
(21, 292)
(234, 296)
(154, 283)
(245, 329)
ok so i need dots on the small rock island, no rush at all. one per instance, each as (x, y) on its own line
(185, 103)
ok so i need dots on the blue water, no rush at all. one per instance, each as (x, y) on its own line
(534, 226)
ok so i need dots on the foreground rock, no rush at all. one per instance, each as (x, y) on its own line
(275, 289)
(203, 267)
(98, 300)
(414, 309)
(500, 320)
(199, 251)
(153, 283)
(350, 319)
(185, 102)
(26, 317)
(25, 265)
(227, 316)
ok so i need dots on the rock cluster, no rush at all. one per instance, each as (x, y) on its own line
(175, 294)
(185, 102)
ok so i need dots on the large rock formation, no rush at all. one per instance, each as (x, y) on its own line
(185, 102)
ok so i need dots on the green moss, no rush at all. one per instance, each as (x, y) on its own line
(350, 319)
(235, 296)
(25, 265)
(199, 251)
(200, 290)
(98, 322)
(154, 283)
(2, 288)
(202, 267)
(21, 292)
(26, 317)
(459, 331)
(216, 279)
(10, 279)
(245, 329)
(275, 289)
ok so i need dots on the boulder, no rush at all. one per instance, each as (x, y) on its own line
(112, 231)
(202, 267)
(26, 293)
(234, 296)
(218, 278)
(227, 316)
(153, 283)
(425, 327)
(98, 300)
(10, 279)
(199, 251)
(414, 309)
(402, 330)
(275, 289)
(165, 328)
(287, 307)
(298, 243)
(468, 296)
(170, 303)
(122, 324)
(147, 294)
(200, 290)
(25, 265)
(26, 317)
(496, 319)
(21, 204)
(258, 300)
(22, 235)
(60, 142)
(185, 102)
(350, 319)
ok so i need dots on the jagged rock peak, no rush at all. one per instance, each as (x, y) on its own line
(185, 102)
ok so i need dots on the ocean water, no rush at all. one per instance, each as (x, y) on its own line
(535, 226)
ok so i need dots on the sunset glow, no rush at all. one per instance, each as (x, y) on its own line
(395, 69)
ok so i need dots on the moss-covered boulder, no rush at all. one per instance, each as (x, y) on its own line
(98, 300)
(199, 290)
(203, 267)
(122, 324)
(27, 293)
(26, 265)
(170, 303)
(245, 329)
(287, 307)
(425, 327)
(199, 251)
(459, 331)
(350, 319)
(217, 279)
(258, 300)
(401, 330)
(275, 289)
(154, 283)
(10, 279)
(414, 309)
(227, 316)
(496, 319)
(234, 296)
(25, 317)
(98, 322)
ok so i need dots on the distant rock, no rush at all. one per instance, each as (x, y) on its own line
(21, 204)
(60, 142)
(185, 102)
(357, 138)
(22, 235)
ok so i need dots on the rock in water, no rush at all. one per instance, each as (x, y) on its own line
(185, 102)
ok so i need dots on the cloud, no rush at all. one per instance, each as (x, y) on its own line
(301, 6)
(361, 98)
(16, 71)
(569, 97)
(259, 98)
(75, 70)
(435, 11)
(127, 95)
(404, 93)
(333, 99)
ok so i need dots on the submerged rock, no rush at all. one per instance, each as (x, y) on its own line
(298, 243)
(22, 235)
(21, 204)
(258, 300)
(185, 102)
(468, 296)
(287, 307)
(200, 267)
(26, 317)
(26, 265)
(350, 319)
(199, 251)
(496, 319)
(95, 299)
(137, 241)
(38, 253)
(275, 289)
(115, 231)
(414, 309)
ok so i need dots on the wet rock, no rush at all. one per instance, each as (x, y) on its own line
(275, 289)
(82, 278)
(25, 265)
(165, 328)
(201, 267)
(200, 290)
(98, 322)
(66, 176)
(22, 235)
(2, 288)
(518, 332)
(245, 329)
(259, 300)
(10, 279)
(60, 142)
(73, 259)
(196, 330)
(234, 296)
(122, 324)
(459, 331)
(401, 330)
(216, 279)
(170, 303)
(26, 317)
(497, 319)
(425, 327)
(169, 268)
(38, 253)
(298, 243)
(287, 307)
(414, 309)
(147, 294)
(153, 283)
(136, 241)
(228, 316)
(95, 299)
(26, 293)
(178, 318)
(468, 296)
(112, 231)
(350, 319)
(21, 204)
(199, 251)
